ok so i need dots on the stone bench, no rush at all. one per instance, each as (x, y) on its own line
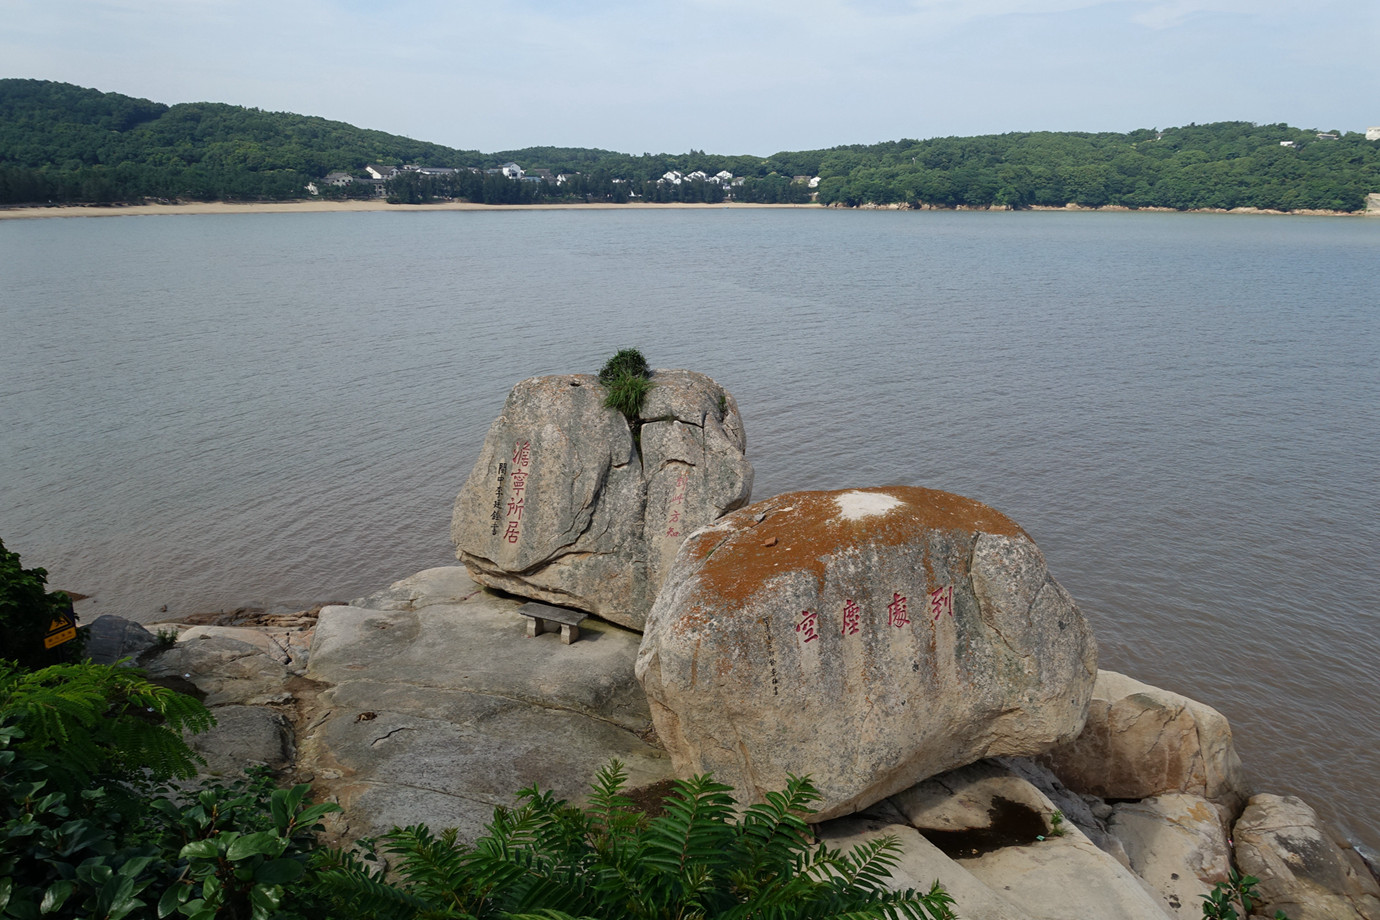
(544, 618)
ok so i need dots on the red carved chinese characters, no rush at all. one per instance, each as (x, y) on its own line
(896, 611)
(806, 626)
(522, 458)
(942, 602)
(852, 617)
(682, 480)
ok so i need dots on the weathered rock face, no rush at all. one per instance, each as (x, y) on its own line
(1177, 843)
(1141, 741)
(868, 638)
(1281, 841)
(564, 506)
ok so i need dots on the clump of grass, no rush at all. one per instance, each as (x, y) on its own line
(627, 378)
(627, 362)
(626, 394)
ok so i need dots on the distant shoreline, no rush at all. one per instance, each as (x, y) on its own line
(308, 207)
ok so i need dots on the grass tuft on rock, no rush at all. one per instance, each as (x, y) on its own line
(627, 378)
(628, 361)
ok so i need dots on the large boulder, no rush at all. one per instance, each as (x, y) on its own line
(1303, 870)
(113, 639)
(870, 638)
(1141, 741)
(573, 504)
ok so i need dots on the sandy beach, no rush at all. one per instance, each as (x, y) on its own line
(304, 207)
(300, 207)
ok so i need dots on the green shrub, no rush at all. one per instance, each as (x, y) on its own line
(1238, 890)
(628, 362)
(626, 394)
(87, 721)
(26, 610)
(697, 859)
(627, 380)
(225, 851)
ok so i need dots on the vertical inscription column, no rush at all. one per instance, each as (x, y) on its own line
(517, 500)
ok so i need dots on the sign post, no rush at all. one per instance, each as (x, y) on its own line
(61, 629)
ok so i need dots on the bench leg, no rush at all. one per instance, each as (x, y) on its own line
(535, 627)
(569, 634)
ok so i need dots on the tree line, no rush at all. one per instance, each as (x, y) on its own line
(65, 144)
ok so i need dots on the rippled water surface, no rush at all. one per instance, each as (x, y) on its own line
(208, 412)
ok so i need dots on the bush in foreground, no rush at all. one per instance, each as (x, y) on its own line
(698, 859)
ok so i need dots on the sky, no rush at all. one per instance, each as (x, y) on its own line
(745, 77)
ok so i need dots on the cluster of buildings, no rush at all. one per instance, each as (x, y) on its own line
(378, 175)
(722, 177)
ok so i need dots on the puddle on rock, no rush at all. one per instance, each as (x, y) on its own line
(1012, 825)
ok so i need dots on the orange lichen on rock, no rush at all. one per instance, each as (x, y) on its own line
(801, 531)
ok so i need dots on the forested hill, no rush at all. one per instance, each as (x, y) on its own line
(84, 145)
(63, 143)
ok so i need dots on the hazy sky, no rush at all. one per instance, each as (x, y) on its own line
(755, 76)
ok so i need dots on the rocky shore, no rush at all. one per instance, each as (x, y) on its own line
(426, 702)
(906, 648)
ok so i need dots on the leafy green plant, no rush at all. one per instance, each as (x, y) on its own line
(227, 868)
(1238, 890)
(26, 610)
(164, 639)
(1056, 824)
(226, 850)
(627, 381)
(89, 720)
(697, 859)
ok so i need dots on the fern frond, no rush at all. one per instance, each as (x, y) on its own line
(367, 894)
(86, 718)
(868, 865)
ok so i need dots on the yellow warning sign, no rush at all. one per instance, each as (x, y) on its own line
(61, 629)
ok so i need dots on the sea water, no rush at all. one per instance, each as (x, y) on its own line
(209, 412)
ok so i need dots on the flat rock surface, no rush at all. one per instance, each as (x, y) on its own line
(442, 712)
(446, 584)
(244, 735)
(224, 670)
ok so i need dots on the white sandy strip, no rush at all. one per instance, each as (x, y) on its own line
(297, 207)
(855, 506)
